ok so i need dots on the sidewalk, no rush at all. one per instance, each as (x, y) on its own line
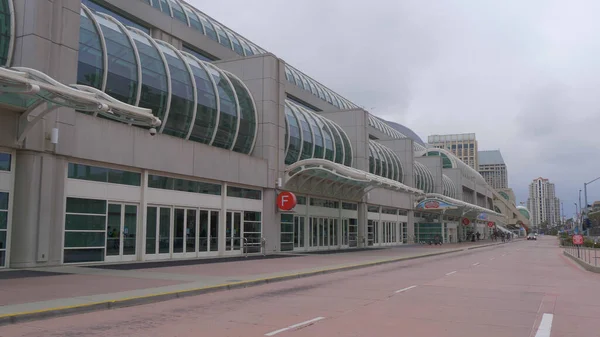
(44, 292)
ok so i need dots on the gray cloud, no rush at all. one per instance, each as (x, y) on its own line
(523, 75)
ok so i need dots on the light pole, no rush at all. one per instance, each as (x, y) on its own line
(585, 194)
(576, 215)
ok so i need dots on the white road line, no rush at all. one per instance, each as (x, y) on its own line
(492, 259)
(273, 333)
(545, 326)
(403, 290)
(450, 273)
(476, 264)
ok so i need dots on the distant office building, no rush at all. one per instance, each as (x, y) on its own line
(464, 146)
(543, 204)
(493, 168)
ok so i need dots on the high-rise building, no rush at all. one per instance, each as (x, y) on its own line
(543, 204)
(493, 168)
(464, 146)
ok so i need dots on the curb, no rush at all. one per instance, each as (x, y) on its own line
(584, 264)
(20, 317)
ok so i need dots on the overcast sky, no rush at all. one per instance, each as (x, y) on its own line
(523, 75)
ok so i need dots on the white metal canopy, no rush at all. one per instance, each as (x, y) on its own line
(467, 207)
(28, 89)
(324, 177)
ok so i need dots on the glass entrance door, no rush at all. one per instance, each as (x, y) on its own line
(298, 231)
(158, 232)
(233, 232)
(184, 232)
(121, 230)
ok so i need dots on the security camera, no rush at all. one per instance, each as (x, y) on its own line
(152, 131)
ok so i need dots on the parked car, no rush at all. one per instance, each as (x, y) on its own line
(532, 237)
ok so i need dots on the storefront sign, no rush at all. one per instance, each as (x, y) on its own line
(286, 201)
(466, 221)
(490, 224)
(482, 216)
(578, 239)
(434, 204)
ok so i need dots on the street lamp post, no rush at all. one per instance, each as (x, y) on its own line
(585, 194)
(576, 215)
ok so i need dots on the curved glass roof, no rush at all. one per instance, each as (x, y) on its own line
(195, 99)
(406, 131)
(449, 160)
(523, 210)
(384, 162)
(303, 81)
(449, 188)
(309, 135)
(423, 178)
(204, 24)
(383, 127)
(504, 195)
(7, 32)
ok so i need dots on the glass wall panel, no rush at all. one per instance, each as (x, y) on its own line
(347, 147)
(85, 231)
(228, 117)
(183, 185)
(206, 109)
(339, 145)
(3, 227)
(194, 20)
(307, 146)
(246, 47)
(182, 96)
(295, 141)
(223, 38)
(151, 221)
(208, 26)
(155, 90)
(5, 32)
(247, 130)
(318, 133)
(197, 54)
(122, 78)
(239, 192)
(5, 160)
(164, 7)
(103, 174)
(178, 12)
(90, 63)
(122, 19)
(237, 47)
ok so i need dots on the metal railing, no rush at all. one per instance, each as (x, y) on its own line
(250, 246)
(586, 254)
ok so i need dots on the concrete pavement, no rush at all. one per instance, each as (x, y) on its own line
(47, 292)
(526, 288)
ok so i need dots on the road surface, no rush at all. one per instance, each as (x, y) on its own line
(525, 288)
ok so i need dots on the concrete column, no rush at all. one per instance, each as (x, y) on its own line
(271, 226)
(39, 203)
(410, 226)
(363, 217)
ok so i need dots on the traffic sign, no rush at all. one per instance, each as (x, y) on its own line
(286, 201)
(578, 239)
(466, 221)
(490, 224)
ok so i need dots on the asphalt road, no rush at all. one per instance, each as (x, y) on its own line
(524, 288)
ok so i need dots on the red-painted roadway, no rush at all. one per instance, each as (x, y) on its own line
(525, 288)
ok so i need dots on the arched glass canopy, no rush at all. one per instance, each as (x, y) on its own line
(423, 178)
(449, 187)
(194, 99)
(504, 195)
(524, 211)
(384, 162)
(384, 128)
(301, 80)
(309, 135)
(449, 160)
(193, 18)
